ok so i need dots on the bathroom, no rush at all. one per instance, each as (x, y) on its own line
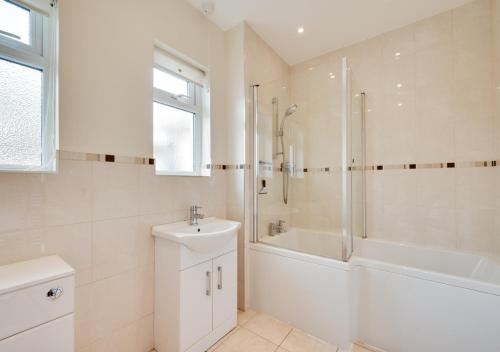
(344, 155)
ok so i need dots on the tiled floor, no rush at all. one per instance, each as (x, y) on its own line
(257, 332)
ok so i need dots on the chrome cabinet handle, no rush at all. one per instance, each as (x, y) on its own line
(219, 270)
(209, 284)
(54, 293)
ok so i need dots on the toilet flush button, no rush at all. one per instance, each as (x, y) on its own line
(54, 293)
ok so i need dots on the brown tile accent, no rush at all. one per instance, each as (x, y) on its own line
(92, 157)
(78, 156)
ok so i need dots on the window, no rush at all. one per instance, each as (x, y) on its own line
(15, 21)
(180, 117)
(28, 66)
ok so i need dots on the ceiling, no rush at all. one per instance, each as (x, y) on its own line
(328, 24)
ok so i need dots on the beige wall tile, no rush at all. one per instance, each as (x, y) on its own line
(155, 192)
(14, 205)
(475, 188)
(73, 243)
(83, 316)
(136, 337)
(115, 247)
(434, 31)
(109, 297)
(436, 227)
(435, 188)
(115, 190)
(60, 198)
(431, 97)
(476, 230)
(400, 41)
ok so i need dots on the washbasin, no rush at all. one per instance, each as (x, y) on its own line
(209, 235)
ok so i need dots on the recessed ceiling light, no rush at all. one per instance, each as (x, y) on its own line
(400, 104)
(332, 76)
(399, 85)
(398, 54)
(300, 30)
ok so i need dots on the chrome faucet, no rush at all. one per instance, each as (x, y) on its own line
(277, 227)
(194, 215)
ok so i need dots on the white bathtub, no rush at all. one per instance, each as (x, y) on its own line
(397, 298)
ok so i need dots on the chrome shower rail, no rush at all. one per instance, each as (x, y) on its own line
(363, 163)
(255, 161)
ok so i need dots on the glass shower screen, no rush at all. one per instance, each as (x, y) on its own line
(307, 155)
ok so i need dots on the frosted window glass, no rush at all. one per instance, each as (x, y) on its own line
(14, 22)
(170, 83)
(20, 115)
(173, 139)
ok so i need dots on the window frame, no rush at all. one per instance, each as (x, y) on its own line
(36, 55)
(193, 104)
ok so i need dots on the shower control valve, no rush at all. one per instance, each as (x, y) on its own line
(277, 227)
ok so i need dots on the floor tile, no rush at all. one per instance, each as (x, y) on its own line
(298, 341)
(268, 328)
(358, 348)
(243, 340)
(223, 339)
(245, 316)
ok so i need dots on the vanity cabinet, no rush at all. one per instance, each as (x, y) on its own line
(195, 296)
(225, 282)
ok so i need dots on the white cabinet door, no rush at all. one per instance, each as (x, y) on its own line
(225, 282)
(196, 290)
(54, 336)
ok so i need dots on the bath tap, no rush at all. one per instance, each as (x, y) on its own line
(277, 227)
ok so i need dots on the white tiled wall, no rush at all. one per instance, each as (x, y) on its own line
(264, 67)
(432, 96)
(98, 216)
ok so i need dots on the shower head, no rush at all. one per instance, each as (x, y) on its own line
(291, 109)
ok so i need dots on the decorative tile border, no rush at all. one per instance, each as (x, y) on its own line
(227, 167)
(110, 158)
(381, 167)
(268, 166)
(446, 165)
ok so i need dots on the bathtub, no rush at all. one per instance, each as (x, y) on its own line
(394, 297)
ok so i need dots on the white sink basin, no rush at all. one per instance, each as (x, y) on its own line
(209, 235)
